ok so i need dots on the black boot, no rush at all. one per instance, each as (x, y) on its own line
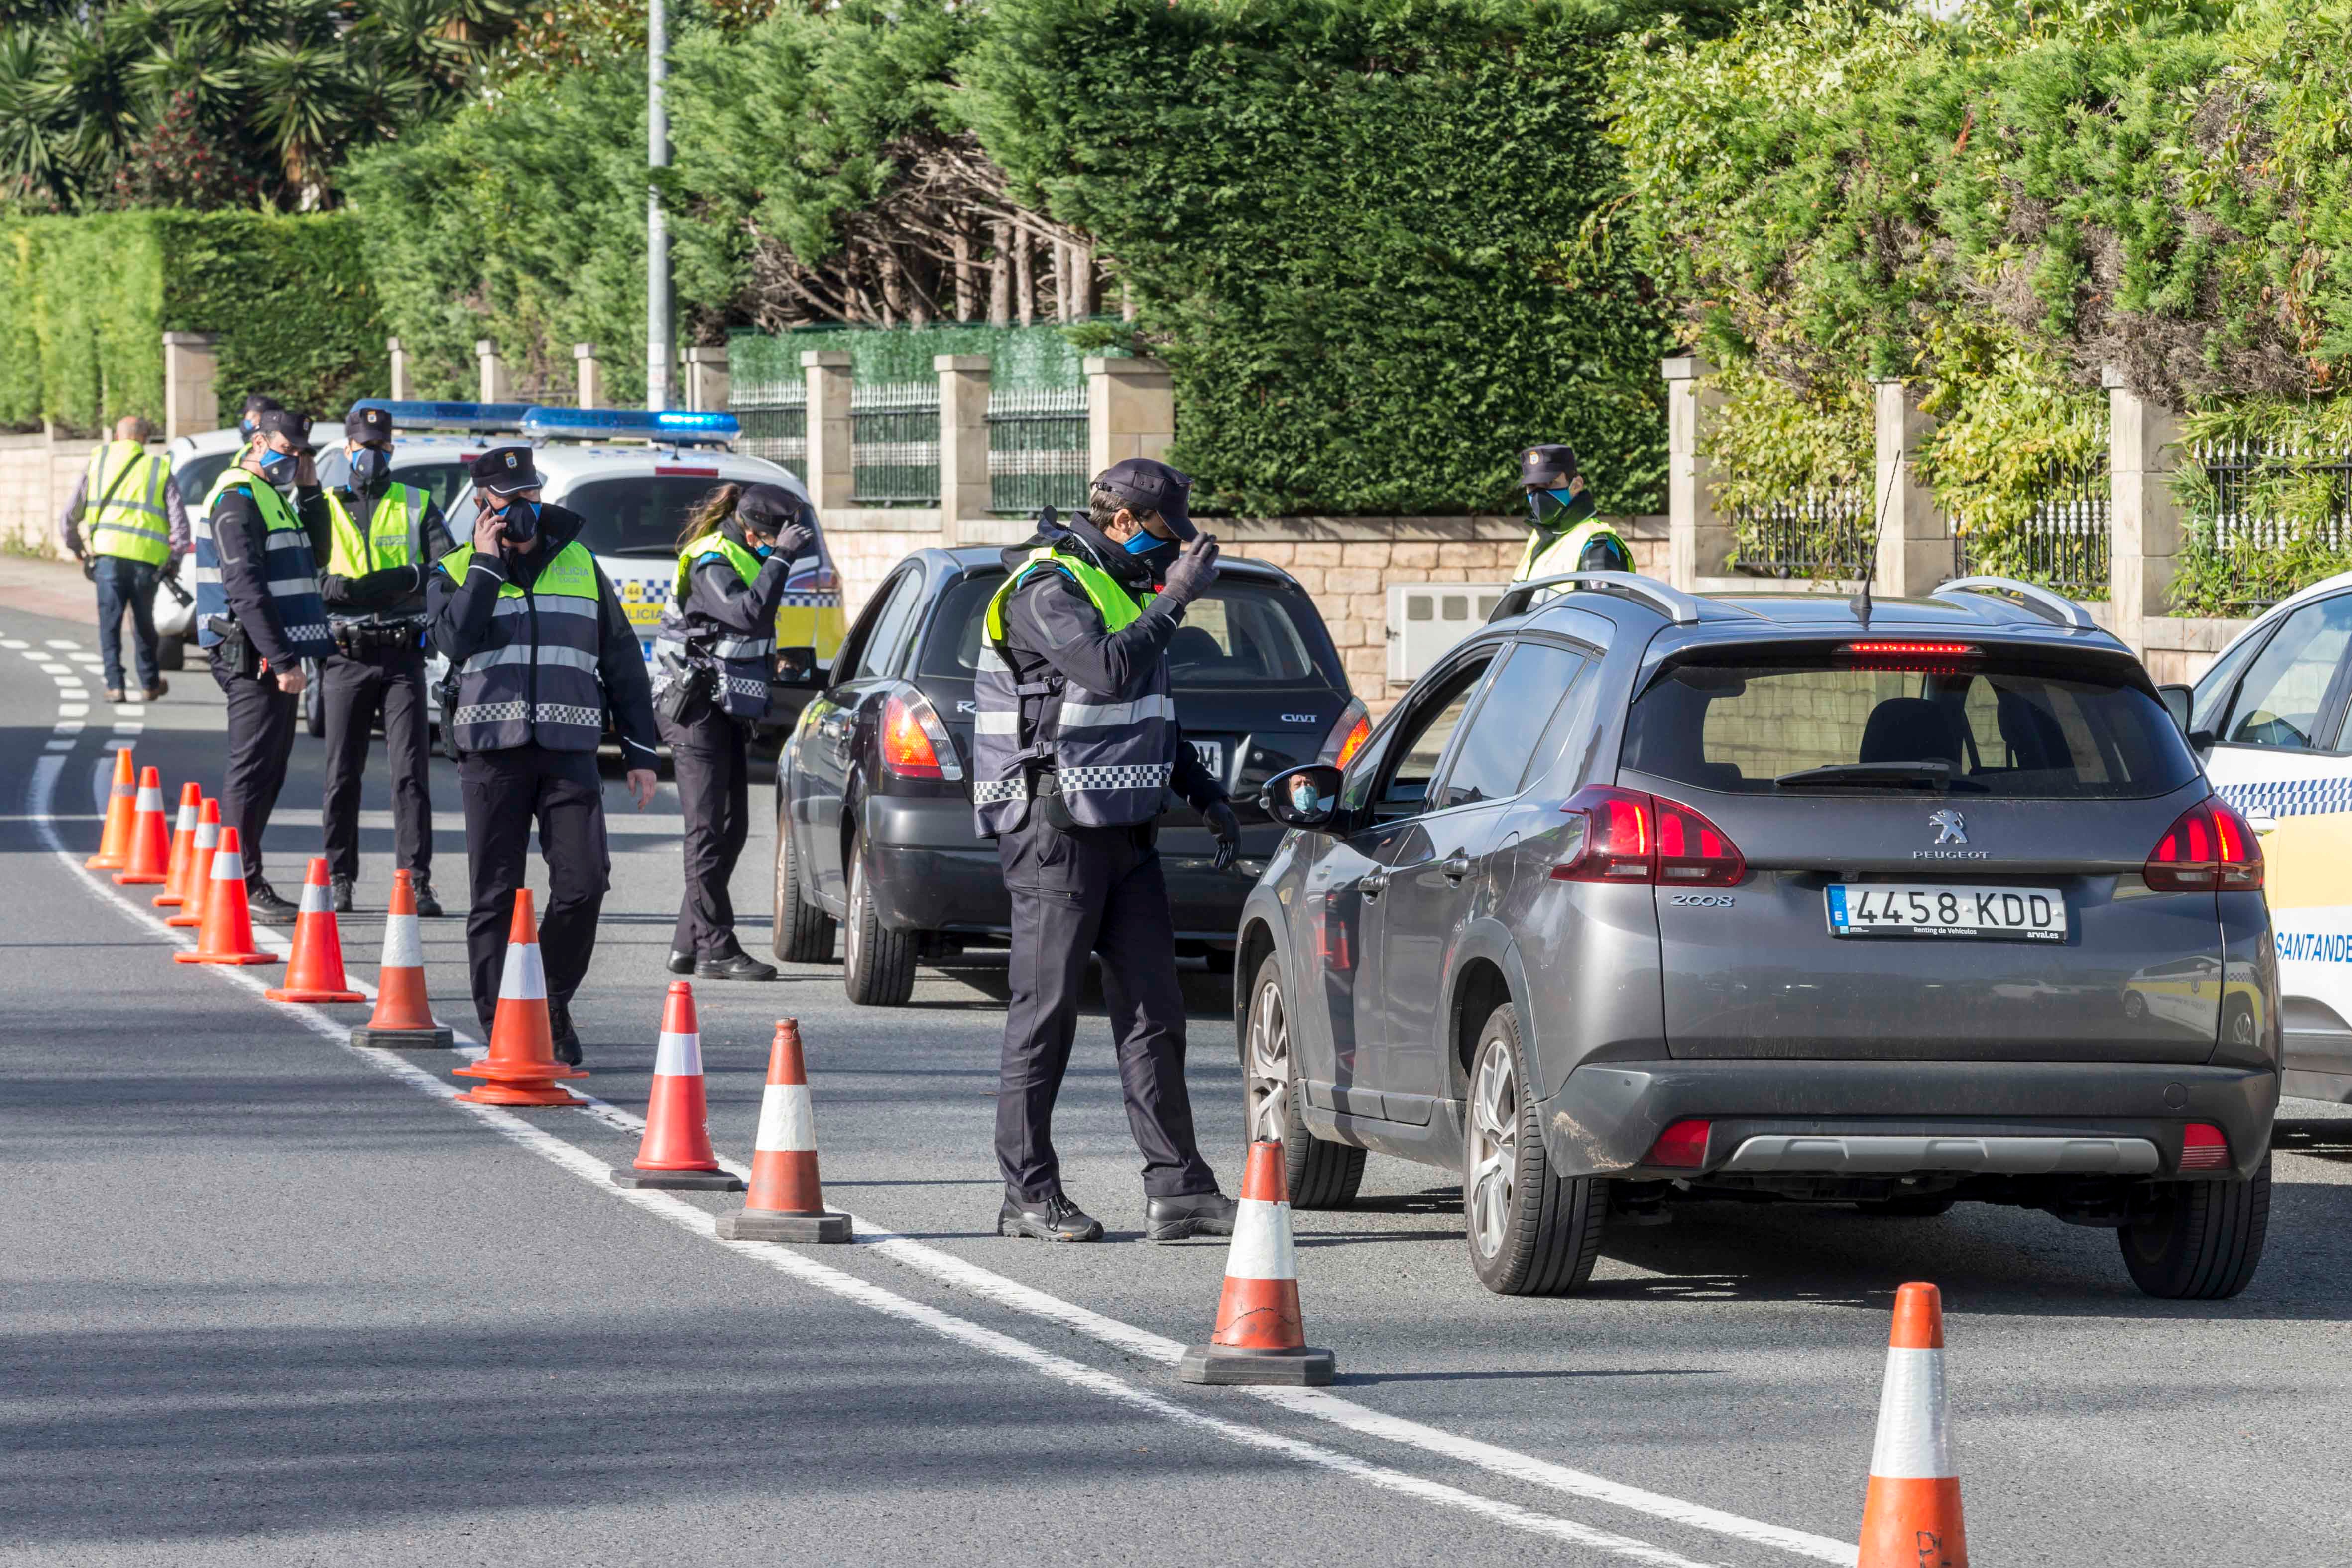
(428, 905)
(567, 1038)
(268, 909)
(742, 966)
(680, 963)
(340, 890)
(1194, 1213)
(1054, 1218)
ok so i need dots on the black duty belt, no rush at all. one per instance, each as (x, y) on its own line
(358, 640)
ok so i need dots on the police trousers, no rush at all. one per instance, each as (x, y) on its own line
(354, 689)
(260, 741)
(1099, 890)
(713, 758)
(504, 793)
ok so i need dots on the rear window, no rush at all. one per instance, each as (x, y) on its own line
(195, 476)
(638, 515)
(1236, 634)
(2012, 729)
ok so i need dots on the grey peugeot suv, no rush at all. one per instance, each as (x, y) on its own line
(1639, 898)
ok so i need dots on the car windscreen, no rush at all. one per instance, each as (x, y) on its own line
(635, 514)
(2020, 727)
(1237, 633)
(196, 476)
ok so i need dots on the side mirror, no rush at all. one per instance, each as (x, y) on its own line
(2178, 700)
(797, 666)
(1303, 797)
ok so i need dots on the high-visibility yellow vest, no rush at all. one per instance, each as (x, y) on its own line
(131, 520)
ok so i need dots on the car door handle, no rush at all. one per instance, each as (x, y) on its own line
(1454, 867)
(1374, 884)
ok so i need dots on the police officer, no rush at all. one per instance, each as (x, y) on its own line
(258, 615)
(137, 533)
(712, 655)
(385, 538)
(1564, 535)
(1076, 744)
(541, 647)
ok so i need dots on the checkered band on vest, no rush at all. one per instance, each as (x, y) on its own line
(286, 563)
(1113, 752)
(534, 681)
(744, 663)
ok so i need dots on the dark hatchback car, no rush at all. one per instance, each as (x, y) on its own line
(874, 826)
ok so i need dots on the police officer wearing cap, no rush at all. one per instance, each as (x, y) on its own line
(712, 657)
(541, 648)
(259, 617)
(385, 538)
(1564, 534)
(1076, 745)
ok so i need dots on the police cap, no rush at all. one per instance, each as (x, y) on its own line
(1144, 485)
(368, 423)
(1547, 467)
(503, 470)
(275, 421)
(770, 508)
(255, 402)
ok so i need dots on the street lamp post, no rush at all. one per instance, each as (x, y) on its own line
(659, 334)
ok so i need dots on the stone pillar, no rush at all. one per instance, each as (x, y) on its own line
(401, 391)
(1698, 538)
(707, 380)
(829, 436)
(588, 376)
(2144, 526)
(496, 387)
(1915, 538)
(963, 441)
(191, 368)
(1130, 410)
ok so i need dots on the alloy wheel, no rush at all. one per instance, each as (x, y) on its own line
(1494, 1146)
(1268, 1085)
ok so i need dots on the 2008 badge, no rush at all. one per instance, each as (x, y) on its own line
(1703, 900)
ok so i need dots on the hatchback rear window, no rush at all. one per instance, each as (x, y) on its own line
(1236, 634)
(639, 515)
(1818, 722)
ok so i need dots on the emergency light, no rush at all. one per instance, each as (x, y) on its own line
(666, 426)
(482, 416)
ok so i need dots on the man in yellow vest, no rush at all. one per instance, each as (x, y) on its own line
(137, 532)
(385, 538)
(1564, 534)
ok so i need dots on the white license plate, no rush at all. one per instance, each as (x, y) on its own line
(1984, 914)
(1213, 757)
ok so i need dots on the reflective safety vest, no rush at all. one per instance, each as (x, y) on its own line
(744, 663)
(1112, 752)
(287, 563)
(1560, 556)
(394, 536)
(534, 680)
(131, 520)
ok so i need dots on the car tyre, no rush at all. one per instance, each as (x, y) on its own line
(1320, 1174)
(2198, 1241)
(802, 931)
(877, 964)
(1531, 1231)
(171, 652)
(1928, 1205)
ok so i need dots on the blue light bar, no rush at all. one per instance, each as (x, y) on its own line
(483, 416)
(667, 427)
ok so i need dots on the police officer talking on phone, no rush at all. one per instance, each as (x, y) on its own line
(540, 647)
(1076, 745)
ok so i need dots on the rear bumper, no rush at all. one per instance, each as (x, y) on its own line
(1859, 1118)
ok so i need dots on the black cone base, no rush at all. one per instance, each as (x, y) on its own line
(437, 1038)
(767, 1225)
(1221, 1365)
(676, 1180)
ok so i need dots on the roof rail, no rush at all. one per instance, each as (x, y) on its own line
(1683, 609)
(2047, 603)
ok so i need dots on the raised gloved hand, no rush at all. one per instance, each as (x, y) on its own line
(1228, 830)
(1194, 570)
(793, 541)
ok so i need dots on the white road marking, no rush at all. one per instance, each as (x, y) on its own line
(1024, 1299)
(61, 642)
(14, 642)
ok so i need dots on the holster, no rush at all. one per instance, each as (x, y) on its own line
(236, 650)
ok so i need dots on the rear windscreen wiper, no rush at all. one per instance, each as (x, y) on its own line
(1928, 773)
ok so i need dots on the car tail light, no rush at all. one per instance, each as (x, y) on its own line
(1682, 1146)
(1348, 735)
(915, 745)
(2204, 1148)
(1628, 836)
(2210, 848)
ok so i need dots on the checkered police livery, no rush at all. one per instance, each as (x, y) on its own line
(2290, 797)
(535, 680)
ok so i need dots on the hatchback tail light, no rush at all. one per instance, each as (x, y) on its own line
(915, 745)
(1682, 1146)
(1348, 735)
(2210, 848)
(1627, 835)
(2203, 1147)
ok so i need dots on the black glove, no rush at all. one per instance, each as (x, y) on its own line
(1228, 828)
(1194, 570)
(88, 567)
(793, 541)
(335, 590)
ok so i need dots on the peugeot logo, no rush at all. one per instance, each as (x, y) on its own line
(1950, 826)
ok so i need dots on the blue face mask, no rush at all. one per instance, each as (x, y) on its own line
(277, 468)
(1143, 544)
(369, 465)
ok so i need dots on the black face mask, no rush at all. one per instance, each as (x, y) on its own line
(520, 521)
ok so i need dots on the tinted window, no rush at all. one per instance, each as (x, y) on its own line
(878, 653)
(953, 647)
(640, 515)
(1236, 634)
(1421, 745)
(2006, 729)
(1510, 722)
(2279, 702)
(196, 476)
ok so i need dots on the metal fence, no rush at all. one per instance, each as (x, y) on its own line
(2244, 515)
(894, 444)
(2065, 542)
(1037, 450)
(1825, 534)
(775, 418)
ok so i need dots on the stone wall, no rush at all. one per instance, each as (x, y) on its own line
(38, 475)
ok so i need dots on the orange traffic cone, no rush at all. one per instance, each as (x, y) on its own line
(676, 1152)
(184, 847)
(197, 890)
(521, 1068)
(114, 842)
(315, 970)
(227, 935)
(151, 837)
(403, 1018)
(1911, 1515)
(786, 1202)
(1260, 1336)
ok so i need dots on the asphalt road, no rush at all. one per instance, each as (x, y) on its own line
(268, 1299)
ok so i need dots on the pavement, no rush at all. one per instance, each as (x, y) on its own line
(268, 1299)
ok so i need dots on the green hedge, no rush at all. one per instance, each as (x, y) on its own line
(1024, 358)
